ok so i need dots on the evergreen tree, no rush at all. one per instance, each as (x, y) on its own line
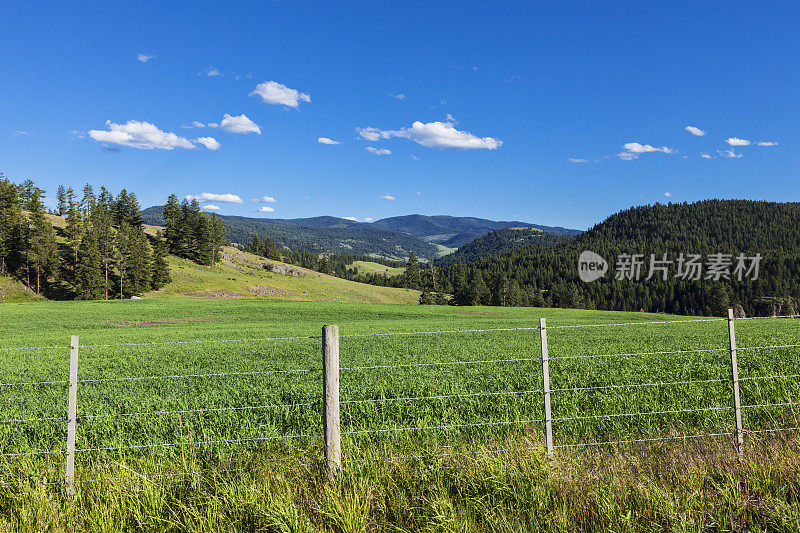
(412, 277)
(139, 261)
(122, 254)
(218, 234)
(89, 277)
(270, 250)
(87, 202)
(102, 222)
(161, 275)
(43, 248)
(11, 226)
(74, 228)
(173, 214)
(206, 246)
(256, 246)
(61, 196)
(323, 267)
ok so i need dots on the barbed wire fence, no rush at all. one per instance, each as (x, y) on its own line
(330, 404)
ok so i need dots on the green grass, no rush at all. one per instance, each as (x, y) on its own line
(241, 275)
(368, 267)
(159, 320)
(13, 291)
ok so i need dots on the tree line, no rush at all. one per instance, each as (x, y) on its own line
(98, 249)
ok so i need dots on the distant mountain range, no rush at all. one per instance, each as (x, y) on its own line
(393, 238)
(500, 241)
(454, 232)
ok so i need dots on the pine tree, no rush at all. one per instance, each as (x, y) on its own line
(173, 215)
(122, 253)
(102, 224)
(138, 261)
(87, 202)
(256, 246)
(43, 247)
(89, 277)
(412, 278)
(161, 275)
(218, 233)
(11, 226)
(74, 228)
(270, 250)
(206, 247)
(61, 195)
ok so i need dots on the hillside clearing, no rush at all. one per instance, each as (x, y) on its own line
(368, 267)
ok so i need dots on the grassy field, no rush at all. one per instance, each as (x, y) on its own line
(241, 275)
(368, 267)
(12, 291)
(499, 389)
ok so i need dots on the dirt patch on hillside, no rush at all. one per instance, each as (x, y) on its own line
(215, 295)
(266, 290)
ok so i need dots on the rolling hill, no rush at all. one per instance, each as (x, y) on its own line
(320, 235)
(454, 232)
(549, 275)
(499, 241)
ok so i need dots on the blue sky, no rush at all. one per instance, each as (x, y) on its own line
(483, 106)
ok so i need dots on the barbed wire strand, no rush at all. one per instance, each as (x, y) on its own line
(772, 346)
(639, 353)
(43, 419)
(775, 430)
(421, 428)
(777, 376)
(645, 413)
(43, 452)
(432, 455)
(20, 348)
(643, 440)
(216, 374)
(443, 396)
(203, 410)
(154, 476)
(657, 384)
(440, 363)
(787, 404)
(194, 443)
(637, 323)
(209, 341)
(35, 383)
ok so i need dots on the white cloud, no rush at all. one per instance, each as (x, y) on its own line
(668, 194)
(415, 158)
(209, 142)
(434, 135)
(352, 219)
(75, 134)
(212, 207)
(227, 198)
(387, 196)
(276, 93)
(379, 151)
(369, 219)
(325, 140)
(198, 124)
(400, 96)
(240, 124)
(729, 153)
(735, 141)
(706, 156)
(768, 143)
(20, 132)
(212, 72)
(370, 134)
(577, 160)
(141, 135)
(144, 58)
(634, 149)
(268, 199)
(213, 125)
(451, 119)
(265, 209)
(695, 131)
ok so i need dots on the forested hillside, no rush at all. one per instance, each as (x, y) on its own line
(549, 275)
(499, 241)
(319, 235)
(96, 247)
(455, 232)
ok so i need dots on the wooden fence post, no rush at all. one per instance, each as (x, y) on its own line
(737, 406)
(548, 417)
(72, 411)
(330, 367)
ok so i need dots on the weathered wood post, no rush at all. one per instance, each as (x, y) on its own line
(737, 406)
(548, 417)
(330, 367)
(72, 410)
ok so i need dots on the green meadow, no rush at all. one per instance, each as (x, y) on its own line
(459, 404)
